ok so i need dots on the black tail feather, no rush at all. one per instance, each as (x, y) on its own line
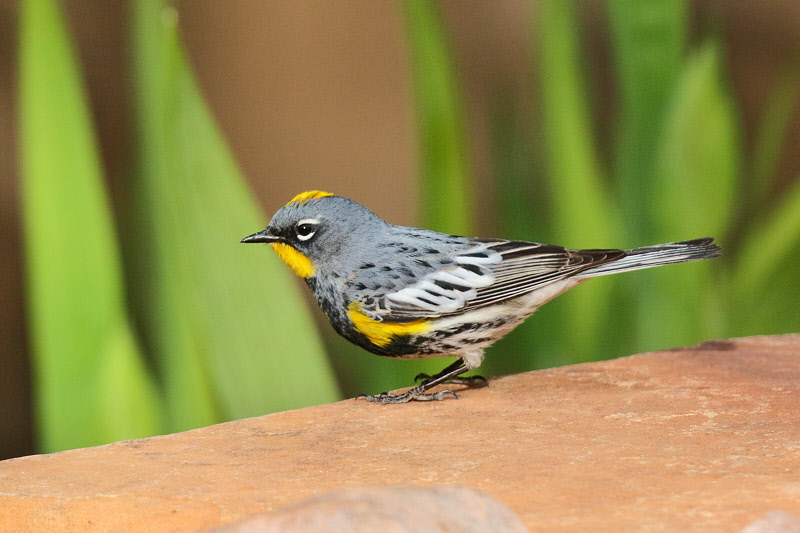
(658, 255)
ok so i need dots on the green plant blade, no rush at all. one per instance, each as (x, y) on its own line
(159, 293)
(248, 342)
(769, 248)
(763, 282)
(766, 270)
(584, 214)
(699, 155)
(695, 195)
(583, 209)
(523, 213)
(444, 174)
(771, 133)
(127, 400)
(91, 386)
(648, 38)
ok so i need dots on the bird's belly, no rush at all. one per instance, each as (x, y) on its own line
(472, 330)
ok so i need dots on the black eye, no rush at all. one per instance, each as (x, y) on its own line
(305, 230)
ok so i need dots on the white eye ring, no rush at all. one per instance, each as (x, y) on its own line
(305, 229)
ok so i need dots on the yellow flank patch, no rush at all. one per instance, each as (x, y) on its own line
(298, 262)
(381, 333)
(303, 197)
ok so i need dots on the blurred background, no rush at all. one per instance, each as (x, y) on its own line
(139, 141)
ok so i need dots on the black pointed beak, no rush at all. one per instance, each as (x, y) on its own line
(262, 236)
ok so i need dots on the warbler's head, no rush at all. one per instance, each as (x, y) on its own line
(316, 228)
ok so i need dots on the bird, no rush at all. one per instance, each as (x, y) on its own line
(413, 293)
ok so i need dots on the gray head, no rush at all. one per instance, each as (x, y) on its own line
(315, 227)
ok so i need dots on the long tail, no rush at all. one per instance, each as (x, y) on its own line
(660, 254)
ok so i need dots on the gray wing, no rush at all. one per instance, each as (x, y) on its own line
(481, 275)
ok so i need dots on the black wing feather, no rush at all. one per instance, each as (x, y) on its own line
(523, 267)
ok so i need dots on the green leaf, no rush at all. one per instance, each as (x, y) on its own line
(125, 400)
(694, 197)
(159, 293)
(583, 209)
(584, 214)
(772, 246)
(520, 184)
(233, 336)
(699, 154)
(444, 175)
(771, 134)
(520, 187)
(91, 386)
(776, 312)
(648, 38)
(767, 267)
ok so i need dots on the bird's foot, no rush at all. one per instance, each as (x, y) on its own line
(473, 382)
(414, 394)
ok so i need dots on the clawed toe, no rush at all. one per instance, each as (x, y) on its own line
(435, 396)
(475, 382)
(415, 394)
(420, 392)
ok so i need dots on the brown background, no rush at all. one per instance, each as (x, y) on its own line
(316, 94)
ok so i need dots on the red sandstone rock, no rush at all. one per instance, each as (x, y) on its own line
(701, 439)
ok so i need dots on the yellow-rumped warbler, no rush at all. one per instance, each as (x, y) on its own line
(414, 293)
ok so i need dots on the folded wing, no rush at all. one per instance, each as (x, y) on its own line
(486, 274)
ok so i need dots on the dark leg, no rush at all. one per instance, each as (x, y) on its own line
(419, 392)
(472, 381)
(425, 377)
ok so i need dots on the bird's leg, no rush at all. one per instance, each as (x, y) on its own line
(471, 381)
(427, 377)
(419, 392)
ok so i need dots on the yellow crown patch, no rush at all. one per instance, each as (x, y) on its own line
(303, 197)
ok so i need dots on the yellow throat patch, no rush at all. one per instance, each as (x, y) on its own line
(298, 262)
(303, 197)
(381, 333)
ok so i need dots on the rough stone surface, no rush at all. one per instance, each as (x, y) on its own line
(388, 510)
(774, 522)
(699, 439)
